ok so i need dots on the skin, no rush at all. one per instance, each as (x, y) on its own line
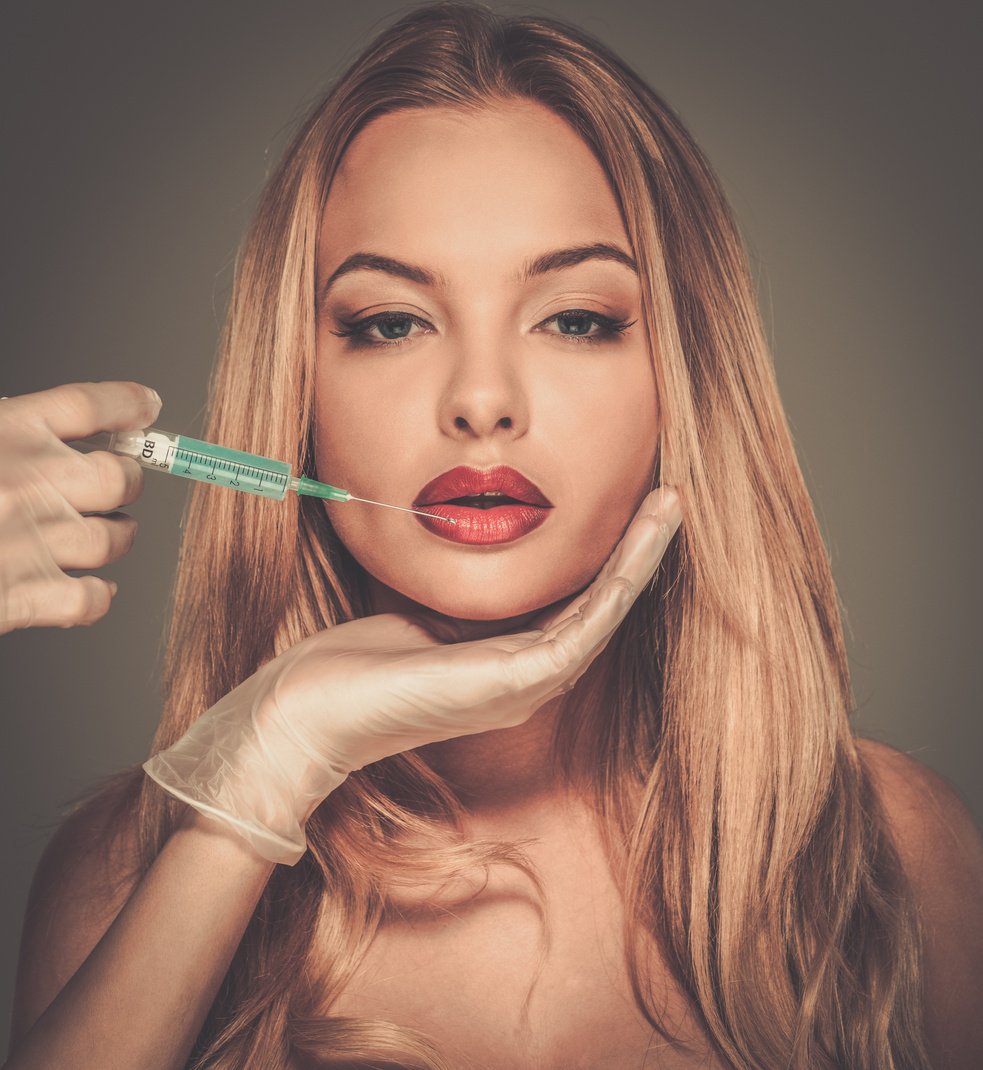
(485, 376)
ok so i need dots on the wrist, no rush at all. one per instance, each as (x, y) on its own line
(220, 840)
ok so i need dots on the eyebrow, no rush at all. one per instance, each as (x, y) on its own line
(540, 265)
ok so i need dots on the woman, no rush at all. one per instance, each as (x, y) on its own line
(686, 851)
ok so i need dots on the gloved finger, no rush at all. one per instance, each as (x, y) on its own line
(78, 410)
(484, 683)
(97, 482)
(90, 541)
(64, 603)
(576, 641)
(569, 645)
(631, 558)
(33, 588)
(474, 686)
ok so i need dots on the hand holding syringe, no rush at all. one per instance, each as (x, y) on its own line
(180, 455)
(59, 506)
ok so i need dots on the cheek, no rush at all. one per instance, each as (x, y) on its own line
(615, 455)
(360, 424)
(600, 433)
(608, 424)
(359, 443)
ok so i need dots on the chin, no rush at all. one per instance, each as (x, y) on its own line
(505, 608)
(483, 608)
(487, 604)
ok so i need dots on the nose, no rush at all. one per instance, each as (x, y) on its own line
(484, 395)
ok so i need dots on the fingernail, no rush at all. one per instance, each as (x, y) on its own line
(113, 587)
(156, 396)
(666, 505)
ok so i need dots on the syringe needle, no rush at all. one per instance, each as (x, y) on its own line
(305, 485)
(419, 512)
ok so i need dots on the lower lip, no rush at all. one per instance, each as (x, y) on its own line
(502, 523)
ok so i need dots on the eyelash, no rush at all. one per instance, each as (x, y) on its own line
(358, 330)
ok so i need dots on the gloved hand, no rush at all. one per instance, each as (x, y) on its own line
(268, 753)
(46, 488)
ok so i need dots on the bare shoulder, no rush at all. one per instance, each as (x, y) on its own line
(86, 873)
(941, 849)
(930, 821)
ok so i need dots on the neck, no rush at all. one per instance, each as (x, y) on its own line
(505, 773)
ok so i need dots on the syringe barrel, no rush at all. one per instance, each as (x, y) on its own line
(191, 458)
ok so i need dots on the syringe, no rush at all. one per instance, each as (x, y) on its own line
(191, 458)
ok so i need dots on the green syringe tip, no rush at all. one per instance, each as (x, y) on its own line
(321, 490)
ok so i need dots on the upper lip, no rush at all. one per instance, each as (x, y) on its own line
(464, 482)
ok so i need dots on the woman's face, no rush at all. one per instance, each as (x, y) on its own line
(481, 372)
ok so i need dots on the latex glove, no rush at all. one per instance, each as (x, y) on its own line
(268, 753)
(46, 488)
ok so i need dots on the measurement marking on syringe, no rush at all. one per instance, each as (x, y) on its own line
(192, 458)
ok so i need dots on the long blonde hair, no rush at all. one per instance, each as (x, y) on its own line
(739, 821)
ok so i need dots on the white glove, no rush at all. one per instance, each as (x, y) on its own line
(46, 487)
(267, 754)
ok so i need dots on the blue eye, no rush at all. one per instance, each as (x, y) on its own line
(608, 328)
(400, 323)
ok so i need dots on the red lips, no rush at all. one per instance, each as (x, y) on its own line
(464, 482)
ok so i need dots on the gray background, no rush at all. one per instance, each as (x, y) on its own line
(136, 138)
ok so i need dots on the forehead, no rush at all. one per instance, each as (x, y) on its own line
(452, 185)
